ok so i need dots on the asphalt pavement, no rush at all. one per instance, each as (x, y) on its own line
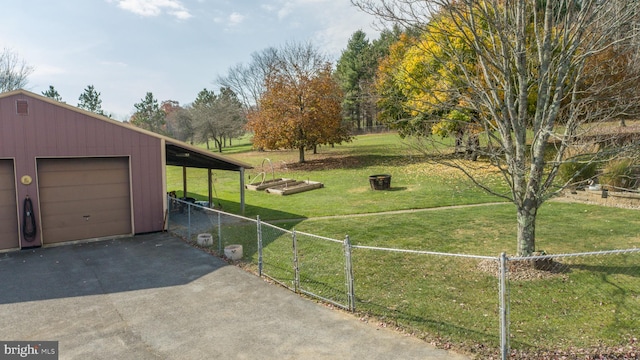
(155, 297)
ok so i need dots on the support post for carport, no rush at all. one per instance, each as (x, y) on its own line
(210, 188)
(184, 182)
(242, 191)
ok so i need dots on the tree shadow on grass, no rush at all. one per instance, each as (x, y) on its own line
(333, 162)
(632, 270)
(250, 211)
(440, 333)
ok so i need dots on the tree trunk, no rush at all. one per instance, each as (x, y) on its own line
(473, 144)
(526, 216)
(301, 149)
(219, 144)
(459, 140)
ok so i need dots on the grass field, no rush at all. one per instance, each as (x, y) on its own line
(344, 171)
(595, 303)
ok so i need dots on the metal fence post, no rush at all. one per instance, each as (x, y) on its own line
(348, 267)
(219, 233)
(259, 229)
(504, 308)
(296, 270)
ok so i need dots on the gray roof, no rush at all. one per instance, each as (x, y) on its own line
(182, 154)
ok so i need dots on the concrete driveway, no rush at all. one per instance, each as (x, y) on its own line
(155, 297)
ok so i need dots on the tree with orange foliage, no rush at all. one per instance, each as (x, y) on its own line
(301, 106)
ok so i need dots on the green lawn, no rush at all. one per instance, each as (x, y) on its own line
(592, 302)
(344, 171)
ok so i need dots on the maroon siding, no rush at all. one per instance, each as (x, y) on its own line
(52, 130)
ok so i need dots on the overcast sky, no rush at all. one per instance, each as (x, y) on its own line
(172, 48)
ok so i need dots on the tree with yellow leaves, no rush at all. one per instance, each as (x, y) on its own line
(529, 73)
(419, 84)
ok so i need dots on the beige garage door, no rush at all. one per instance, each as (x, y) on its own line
(84, 198)
(8, 211)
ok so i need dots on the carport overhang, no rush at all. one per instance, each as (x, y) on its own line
(187, 156)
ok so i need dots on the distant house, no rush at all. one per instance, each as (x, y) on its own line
(68, 175)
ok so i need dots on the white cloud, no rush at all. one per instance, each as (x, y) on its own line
(230, 21)
(282, 8)
(267, 7)
(155, 7)
(181, 14)
(235, 19)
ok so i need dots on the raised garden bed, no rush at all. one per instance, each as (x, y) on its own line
(294, 187)
(258, 186)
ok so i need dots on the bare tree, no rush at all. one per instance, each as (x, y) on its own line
(248, 81)
(217, 117)
(180, 124)
(535, 88)
(13, 71)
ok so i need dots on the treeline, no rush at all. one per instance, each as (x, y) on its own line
(214, 119)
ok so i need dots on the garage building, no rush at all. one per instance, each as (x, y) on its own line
(68, 175)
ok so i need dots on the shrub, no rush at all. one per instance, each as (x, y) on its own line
(619, 174)
(578, 170)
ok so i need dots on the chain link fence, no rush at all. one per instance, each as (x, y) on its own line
(321, 270)
(276, 256)
(586, 303)
(571, 305)
(444, 298)
(190, 222)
